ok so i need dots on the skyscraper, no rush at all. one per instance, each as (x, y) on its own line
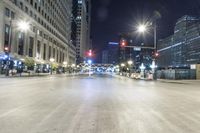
(182, 48)
(48, 32)
(81, 27)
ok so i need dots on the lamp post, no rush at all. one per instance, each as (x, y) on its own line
(153, 67)
(73, 68)
(122, 65)
(64, 65)
(52, 60)
(90, 65)
(130, 63)
(142, 29)
(142, 68)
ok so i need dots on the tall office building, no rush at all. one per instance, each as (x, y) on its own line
(48, 34)
(81, 28)
(183, 47)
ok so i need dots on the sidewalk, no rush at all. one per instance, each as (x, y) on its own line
(164, 80)
(178, 81)
(25, 75)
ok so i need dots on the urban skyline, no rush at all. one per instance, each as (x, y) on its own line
(99, 66)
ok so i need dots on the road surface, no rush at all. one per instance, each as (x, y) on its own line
(98, 104)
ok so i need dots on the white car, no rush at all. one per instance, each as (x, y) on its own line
(135, 75)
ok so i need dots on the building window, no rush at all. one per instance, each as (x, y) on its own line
(31, 43)
(36, 6)
(26, 9)
(7, 35)
(44, 52)
(57, 56)
(31, 2)
(54, 53)
(21, 5)
(21, 44)
(7, 12)
(31, 13)
(49, 52)
(38, 47)
(12, 15)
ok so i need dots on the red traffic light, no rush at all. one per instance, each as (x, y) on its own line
(123, 43)
(90, 53)
(156, 54)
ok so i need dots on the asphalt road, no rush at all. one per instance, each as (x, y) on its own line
(98, 104)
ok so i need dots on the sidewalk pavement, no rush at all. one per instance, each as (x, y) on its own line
(24, 75)
(165, 80)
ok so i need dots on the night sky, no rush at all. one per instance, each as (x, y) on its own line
(111, 17)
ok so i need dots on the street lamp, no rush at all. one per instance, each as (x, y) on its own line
(142, 68)
(122, 65)
(73, 65)
(64, 63)
(89, 62)
(142, 28)
(52, 60)
(90, 65)
(130, 62)
(23, 25)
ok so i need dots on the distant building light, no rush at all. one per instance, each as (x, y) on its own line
(113, 43)
(80, 1)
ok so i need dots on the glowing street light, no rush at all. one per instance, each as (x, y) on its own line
(117, 66)
(64, 63)
(130, 62)
(122, 65)
(89, 61)
(153, 65)
(52, 60)
(142, 67)
(23, 25)
(73, 65)
(142, 28)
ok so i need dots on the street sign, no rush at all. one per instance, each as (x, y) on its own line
(137, 48)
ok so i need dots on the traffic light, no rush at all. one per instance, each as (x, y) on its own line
(123, 43)
(155, 54)
(89, 53)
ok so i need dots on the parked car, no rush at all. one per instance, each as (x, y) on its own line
(135, 75)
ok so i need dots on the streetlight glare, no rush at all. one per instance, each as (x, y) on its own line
(122, 65)
(52, 60)
(64, 63)
(89, 61)
(23, 25)
(142, 28)
(73, 65)
(130, 62)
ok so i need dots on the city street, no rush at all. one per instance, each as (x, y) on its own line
(98, 104)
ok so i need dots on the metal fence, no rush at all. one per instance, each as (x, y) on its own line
(176, 74)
